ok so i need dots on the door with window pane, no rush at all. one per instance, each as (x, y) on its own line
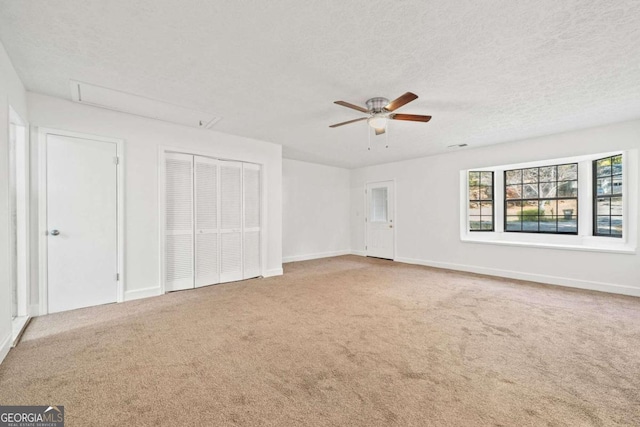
(379, 220)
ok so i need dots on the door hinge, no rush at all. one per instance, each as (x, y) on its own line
(117, 277)
(366, 248)
(116, 160)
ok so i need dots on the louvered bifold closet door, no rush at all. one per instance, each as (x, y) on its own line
(251, 204)
(206, 215)
(230, 221)
(178, 221)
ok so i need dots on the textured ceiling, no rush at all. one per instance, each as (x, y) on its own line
(488, 71)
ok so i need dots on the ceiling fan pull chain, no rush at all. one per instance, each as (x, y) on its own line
(386, 136)
(369, 135)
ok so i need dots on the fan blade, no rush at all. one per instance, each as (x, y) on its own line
(348, 105)
(399, 102)
(350, 121)
(380, 131)
(410, 117)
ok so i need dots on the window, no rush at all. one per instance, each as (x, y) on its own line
(379, 204)
(607, 192)
(573, 203)
(542, 199)
(480, 201)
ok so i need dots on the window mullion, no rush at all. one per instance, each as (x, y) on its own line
(498, 200)
(585, 198)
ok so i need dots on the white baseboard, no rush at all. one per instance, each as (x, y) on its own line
(5, 346)
(532, 277)
(359, 253)
(34, 310)
(273, 272)
(18, 326)
(308, 257)
(141, 293)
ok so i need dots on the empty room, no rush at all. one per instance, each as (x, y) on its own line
(333, 213)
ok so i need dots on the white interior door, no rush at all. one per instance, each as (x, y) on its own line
(82, 247)
(230, 221)
(380, 220)
(251, 226)
(179, 259)
(206, 232)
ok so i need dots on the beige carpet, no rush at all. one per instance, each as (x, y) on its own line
(341, 341)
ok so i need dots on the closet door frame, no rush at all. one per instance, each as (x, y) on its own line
(247, 229)
(162, 152)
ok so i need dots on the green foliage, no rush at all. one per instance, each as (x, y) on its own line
(533, 214)
(530, 214)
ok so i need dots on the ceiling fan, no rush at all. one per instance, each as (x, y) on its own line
(380, 110)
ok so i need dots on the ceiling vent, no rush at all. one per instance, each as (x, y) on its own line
(111, 99)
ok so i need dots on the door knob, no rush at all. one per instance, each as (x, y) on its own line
(54, 232)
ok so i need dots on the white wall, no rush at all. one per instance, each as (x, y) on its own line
(316, 206)
(12, 93)
(428, 221)
(142, 139)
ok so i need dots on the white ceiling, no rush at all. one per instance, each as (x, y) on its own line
(487, 71)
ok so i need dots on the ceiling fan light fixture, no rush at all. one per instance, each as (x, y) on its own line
(379, 110)
(378, 122)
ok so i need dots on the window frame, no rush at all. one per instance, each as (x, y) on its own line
(522, 199)
(584, 240)
(594, 183)
(480, 201)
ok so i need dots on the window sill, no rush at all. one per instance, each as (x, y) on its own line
(572, 243)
